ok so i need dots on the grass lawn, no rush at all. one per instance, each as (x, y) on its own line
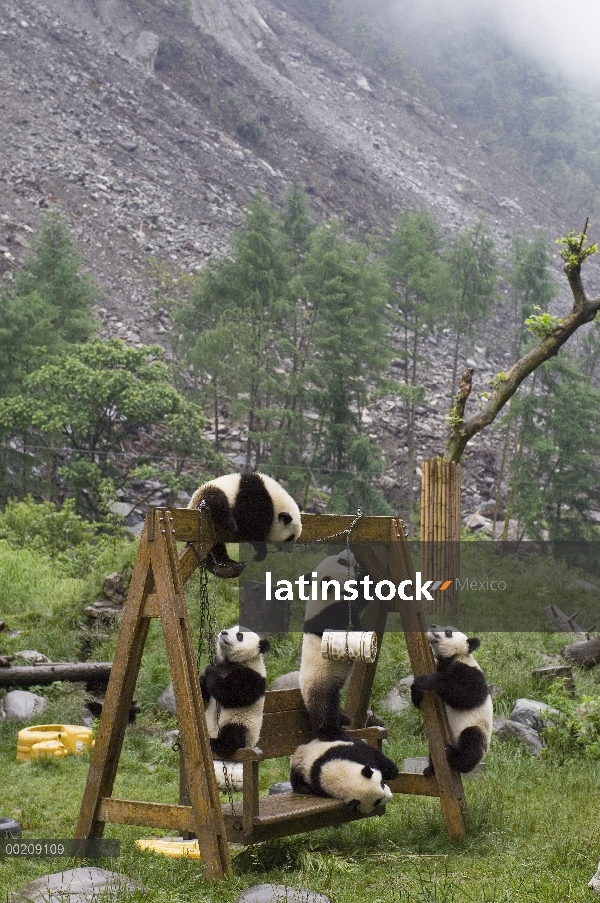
(533, 827)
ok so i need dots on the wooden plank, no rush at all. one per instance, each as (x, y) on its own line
(451, 791)
(290, 813)
(274, 743)
(406, 782)
(119, 695)
(149, 815)
(283, 701)
(193, 734)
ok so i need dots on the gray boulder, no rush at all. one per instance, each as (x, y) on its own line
(532, 713)
(33, 657)
(166, 700)
(526, 736)
(82, 885)
(289, 681)
(20, 705)
(396, 700)
(280, 893)
(280, 787)
(145, 50)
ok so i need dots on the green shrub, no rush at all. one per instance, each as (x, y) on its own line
(576, 729)
(250, 131)
(56, 532)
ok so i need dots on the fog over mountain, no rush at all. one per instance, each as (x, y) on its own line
(556, 34)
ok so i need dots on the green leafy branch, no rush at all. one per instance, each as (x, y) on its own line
(574, 253)
(541, 324)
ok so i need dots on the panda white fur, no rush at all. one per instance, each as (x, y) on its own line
(321, 680)
(459, 682)
(346, 770)
(253, 508)
(233, 690)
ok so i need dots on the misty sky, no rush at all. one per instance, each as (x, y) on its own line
(567, 34)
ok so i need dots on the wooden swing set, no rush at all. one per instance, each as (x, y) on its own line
(157, 591)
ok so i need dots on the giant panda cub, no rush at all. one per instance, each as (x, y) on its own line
(252, 507)
(459, 682)
(345, 770)
(233, 690)
(321, 680)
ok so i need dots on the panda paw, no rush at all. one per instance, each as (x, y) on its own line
(429, 771)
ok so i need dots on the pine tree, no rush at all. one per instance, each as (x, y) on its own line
(418, 277)
(352, 352)
(473, 273)
(556, 475)
(53, 271)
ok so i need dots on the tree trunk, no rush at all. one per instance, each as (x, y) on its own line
(585, 652)
(30, 675)
(463, 429)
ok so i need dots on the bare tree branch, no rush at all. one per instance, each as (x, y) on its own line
(583, 311)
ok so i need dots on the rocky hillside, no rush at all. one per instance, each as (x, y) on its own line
(151, 123)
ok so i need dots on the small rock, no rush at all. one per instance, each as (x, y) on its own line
(82, 885)
(33, 657)
(396, 701)
(587, 586)
(166, 700)
(113, 586)
(526, 736)
(289, 681)
(20, 705)
(529, 712)
(280, 787)
(280, 893)
(170, 738)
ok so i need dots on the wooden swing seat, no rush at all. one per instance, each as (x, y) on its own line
(285, 726)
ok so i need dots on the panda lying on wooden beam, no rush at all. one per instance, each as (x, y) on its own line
(252, 507)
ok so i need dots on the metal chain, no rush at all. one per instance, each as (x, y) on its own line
(229, 790)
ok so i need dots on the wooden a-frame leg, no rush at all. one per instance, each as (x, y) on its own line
(119, 696)
(193, 733)
(452, 795)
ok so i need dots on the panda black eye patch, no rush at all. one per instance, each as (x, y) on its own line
(448, 633)
(239, 637)
(286, 518)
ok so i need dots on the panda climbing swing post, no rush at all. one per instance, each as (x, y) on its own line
(157, 591)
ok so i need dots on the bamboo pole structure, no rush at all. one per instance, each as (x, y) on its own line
(440, 530)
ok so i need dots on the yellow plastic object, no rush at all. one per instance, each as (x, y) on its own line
(174, 847)
(53, 740)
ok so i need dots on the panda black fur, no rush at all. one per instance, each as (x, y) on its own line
(233, 690)
(253, 508)
(321, 680)
(346, 770)
(459, 682)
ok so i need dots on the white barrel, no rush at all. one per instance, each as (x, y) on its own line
(349, 645)
(229, 773)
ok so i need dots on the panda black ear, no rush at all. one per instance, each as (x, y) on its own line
(285, 517)
(367, 772)
(264, 646)
(473, 643)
